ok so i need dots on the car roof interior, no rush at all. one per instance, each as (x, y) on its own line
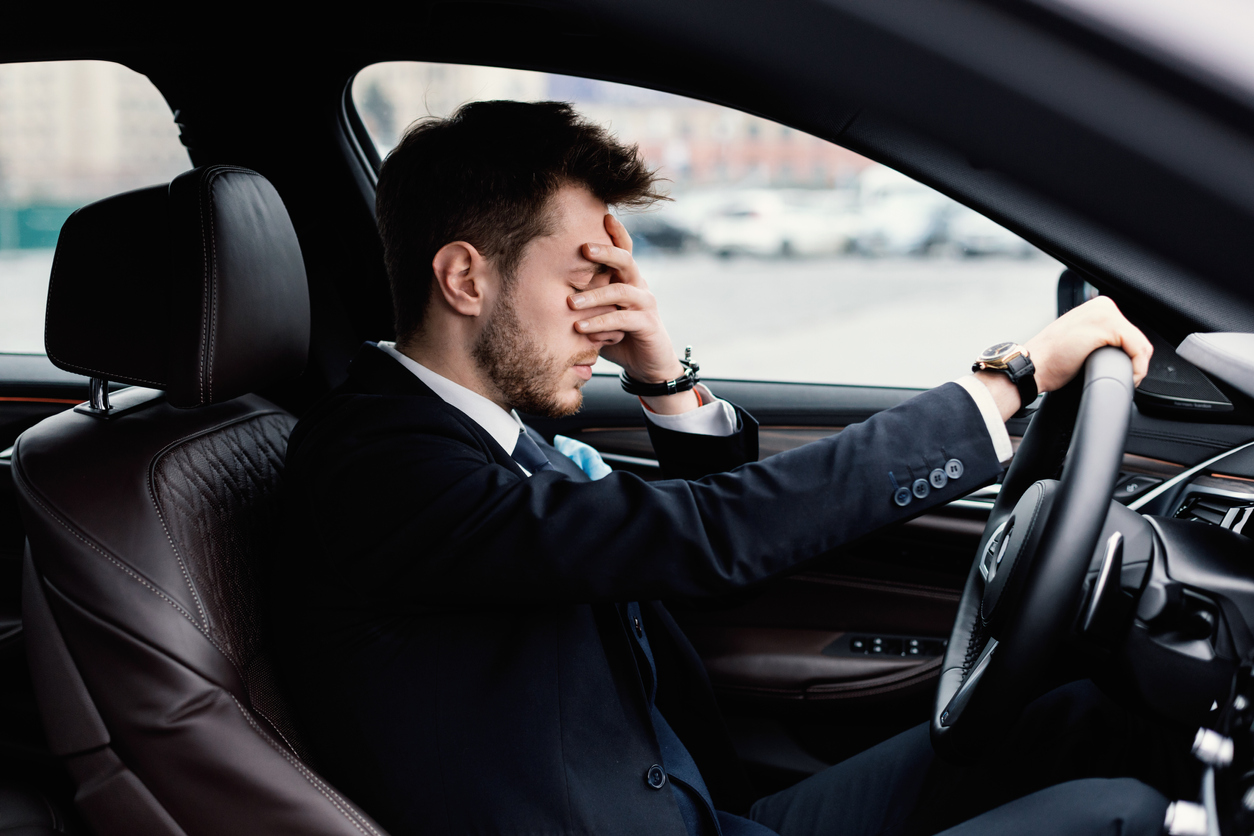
(1123, 164)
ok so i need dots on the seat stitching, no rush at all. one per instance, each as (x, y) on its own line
(338, 801)
(190, 501)
(274, 727)
(170, 539)
(204, 295)
(177, 554)
(135, 576)
(213, 325)
(212, 286)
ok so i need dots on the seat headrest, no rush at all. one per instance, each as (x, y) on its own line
(197, 287)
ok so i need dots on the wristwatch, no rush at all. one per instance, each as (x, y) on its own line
(683, 383)
(1014, 360)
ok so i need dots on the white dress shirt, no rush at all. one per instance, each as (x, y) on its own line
(991, 415)
(713, 417)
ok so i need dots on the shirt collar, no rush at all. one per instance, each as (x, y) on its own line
(501, 425)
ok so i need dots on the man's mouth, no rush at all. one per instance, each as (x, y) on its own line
(582, 364)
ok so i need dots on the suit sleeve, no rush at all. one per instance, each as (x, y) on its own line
(693, 456)
(414, 521)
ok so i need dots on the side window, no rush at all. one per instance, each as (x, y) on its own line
(70, 132)
(780, 256)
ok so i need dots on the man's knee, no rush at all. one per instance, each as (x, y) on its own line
(1139, 807)
(1121, 806)
(867, 793)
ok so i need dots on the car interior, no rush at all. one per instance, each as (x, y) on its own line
(191, 322)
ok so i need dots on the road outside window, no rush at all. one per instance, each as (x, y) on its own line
(781, 256)
(71, 132)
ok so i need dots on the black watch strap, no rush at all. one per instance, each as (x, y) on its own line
(1019, 368)
(1022, 373)
(683, 383)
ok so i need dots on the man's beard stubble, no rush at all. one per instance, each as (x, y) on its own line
(526, 377)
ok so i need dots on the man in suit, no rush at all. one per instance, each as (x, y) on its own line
(469, 623)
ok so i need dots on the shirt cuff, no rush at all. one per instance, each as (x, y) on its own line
(991, 415)
(713, 417)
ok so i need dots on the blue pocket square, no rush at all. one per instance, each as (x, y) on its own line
(588, 459)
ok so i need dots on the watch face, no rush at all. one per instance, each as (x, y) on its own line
(998, 351)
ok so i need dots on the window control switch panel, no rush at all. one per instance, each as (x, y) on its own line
(852, 644)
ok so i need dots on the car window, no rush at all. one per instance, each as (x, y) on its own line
(780, 256)
(71, 132)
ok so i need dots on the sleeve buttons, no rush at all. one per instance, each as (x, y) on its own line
(937, 478)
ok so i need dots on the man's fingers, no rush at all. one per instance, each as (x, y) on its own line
(618, 233)
(617, 259)
(627, 321)
(1125, 335)
(1065, 343)
(1139, 349)
(616, 293)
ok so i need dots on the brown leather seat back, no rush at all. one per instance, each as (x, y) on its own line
(149, 525)
(218, 497)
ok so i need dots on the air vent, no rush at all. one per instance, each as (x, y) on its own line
(1225, 511)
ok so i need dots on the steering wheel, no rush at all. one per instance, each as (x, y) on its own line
(1022, 594)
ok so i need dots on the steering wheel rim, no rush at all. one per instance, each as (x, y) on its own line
(1035, 551)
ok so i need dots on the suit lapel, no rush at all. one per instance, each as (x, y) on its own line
(374, 372)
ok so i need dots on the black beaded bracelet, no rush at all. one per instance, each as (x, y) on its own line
(683, 383)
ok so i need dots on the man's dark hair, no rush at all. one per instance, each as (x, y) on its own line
(485, 176)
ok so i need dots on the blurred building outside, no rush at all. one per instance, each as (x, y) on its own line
(742, 185)
(72, 132)
(694, 143)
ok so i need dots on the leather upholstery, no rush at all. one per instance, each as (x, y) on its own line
(161, 287)
(148, 531)
(218, 497)
(24, 812)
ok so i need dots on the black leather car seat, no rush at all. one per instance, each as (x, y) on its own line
(148, 517)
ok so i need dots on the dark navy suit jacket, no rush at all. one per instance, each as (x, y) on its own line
(446, 626)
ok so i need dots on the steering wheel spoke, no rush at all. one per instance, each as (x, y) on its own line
(994, 553)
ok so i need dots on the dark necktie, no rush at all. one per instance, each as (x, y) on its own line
(528, 454)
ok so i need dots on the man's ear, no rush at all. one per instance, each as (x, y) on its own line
(462, 276)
